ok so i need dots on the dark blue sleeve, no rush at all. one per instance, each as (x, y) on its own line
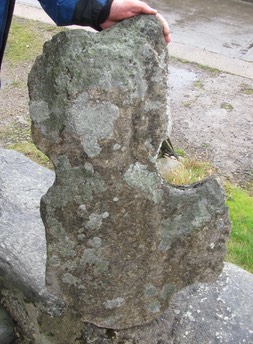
(4, 5)
(6, 11)
(61, 11)
(80, 12)
(91, 12)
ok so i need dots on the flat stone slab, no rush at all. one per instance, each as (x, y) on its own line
(221, 312)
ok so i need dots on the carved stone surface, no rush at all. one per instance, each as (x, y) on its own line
(121, 241)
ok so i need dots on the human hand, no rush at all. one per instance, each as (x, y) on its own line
(124, 9)
(166, 29)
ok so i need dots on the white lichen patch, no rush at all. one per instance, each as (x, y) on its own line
(150, 291)
(95, 242)
(116, 147)
(139, 177)
(40, 112)
(167, 291)
(154, 306)
(82, 210)
(70, 279)
(89, 167)
(65, 245)
(81, 237)
(95, 220)
(115, 303)
(94, 257)
(168, 234)
(202, 216)
(110, 321)
(87, 119)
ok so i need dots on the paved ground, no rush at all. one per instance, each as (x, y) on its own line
(223, 27)
(212, 111)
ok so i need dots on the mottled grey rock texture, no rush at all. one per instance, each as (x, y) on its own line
(22, 233)
(216, 313)
(221, 312)
(6, 327)
(121, 241)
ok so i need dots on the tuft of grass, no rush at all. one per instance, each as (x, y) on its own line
(189, 171)
(198, 84)
(30, 150)
(240, 243)
(226, 106)
(187, 104)
(246, 89)
(180, 152)
(211, 70)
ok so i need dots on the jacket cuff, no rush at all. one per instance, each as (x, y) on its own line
(91, 13)
(104, 14)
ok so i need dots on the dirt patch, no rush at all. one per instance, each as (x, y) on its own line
(24, 44)
(213, 118)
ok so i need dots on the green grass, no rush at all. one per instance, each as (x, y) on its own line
(30, 150)
(26, 39)
(211, 70)
(21, 44)
(180, 152)
(240, 243)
